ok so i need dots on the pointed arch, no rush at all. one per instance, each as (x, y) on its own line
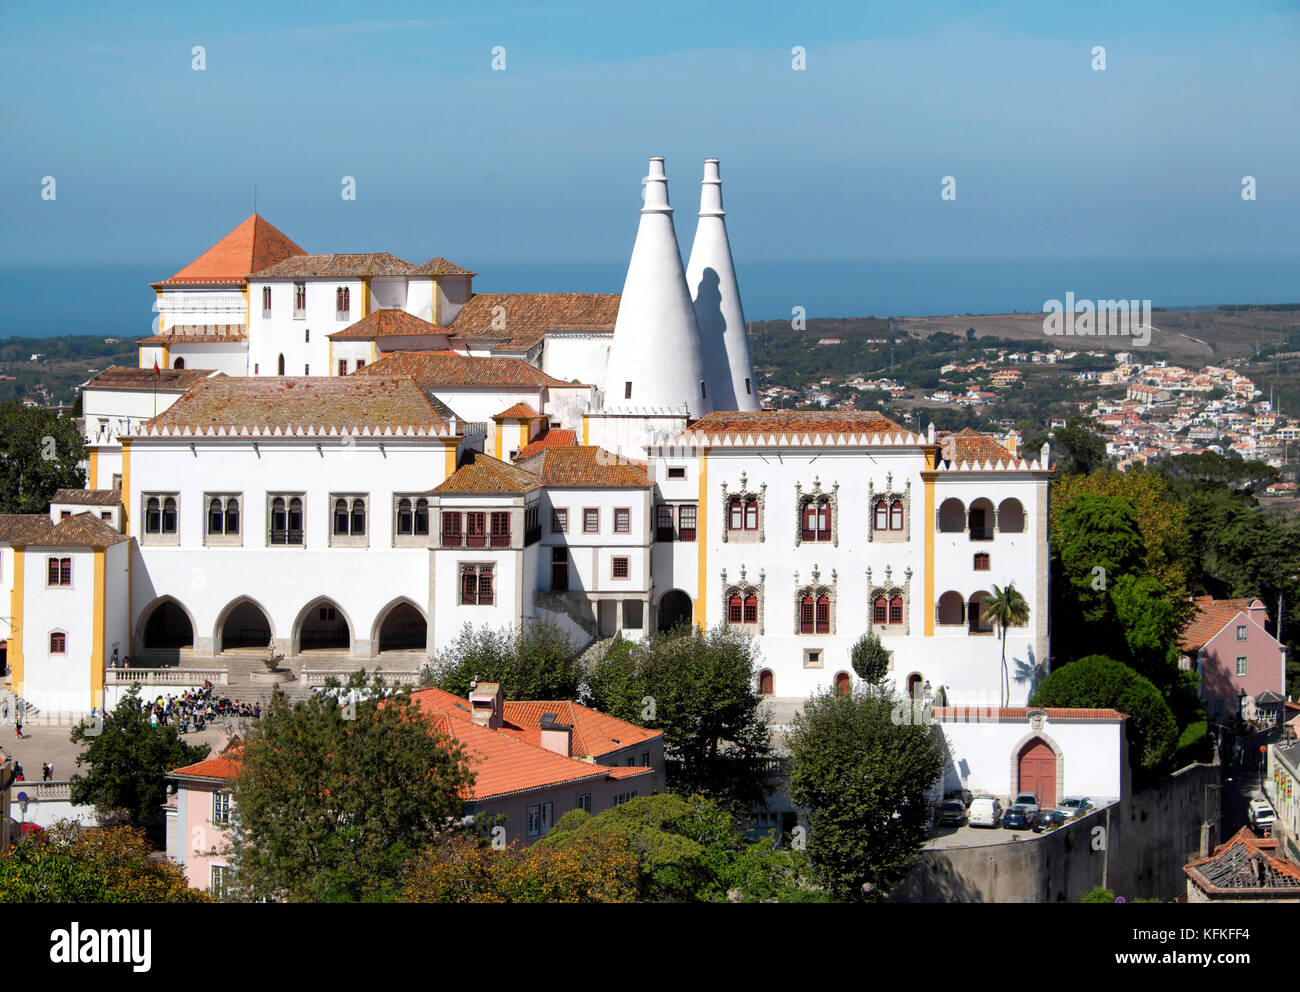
(400, 626)
(240, 620)
(160, 625)
(322, 625)
(1023, 749)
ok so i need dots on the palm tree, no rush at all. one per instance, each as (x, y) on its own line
(1006, 608)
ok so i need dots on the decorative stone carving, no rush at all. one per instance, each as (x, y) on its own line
(889, 589)
(745, 588)
(744, 493)
(816, 493)
(815, 588)
(889, 494)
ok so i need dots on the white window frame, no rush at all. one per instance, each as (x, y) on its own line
(350, 540)
(224, 539)
(1241, 632)
(162, 537)
(220, 808)
(286, 496)
(1243, 664)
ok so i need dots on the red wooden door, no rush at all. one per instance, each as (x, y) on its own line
(1038, 772)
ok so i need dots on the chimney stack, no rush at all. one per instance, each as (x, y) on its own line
(715, 296)
(654, 358)
(486, 702)
(557, 737)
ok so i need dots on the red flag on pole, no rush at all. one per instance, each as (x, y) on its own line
(155, 366)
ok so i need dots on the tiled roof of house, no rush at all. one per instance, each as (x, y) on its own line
(220, 767)
(1211, 616)
(595, 734)
(557, 437)
(378, 263)
(254, 244)
(504, 764)
(81, 530)
(291, 404)
(389, 322)
(88, 497)
(480, 473)
(1021, 712)
(1245, 864)
(520, 411)
(166, 380)
(585, 467)
(970, 447)
(448, 368)
(528, 316)
(199, 334)
(441, 267)
(800, 422)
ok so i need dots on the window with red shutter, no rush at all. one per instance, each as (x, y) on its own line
(500, 530)
(475, 530)
(823, 615)
(53, 578)
(751, 609)
(896, 515)
(880, 610)
(810, 522)
(736, 516)
(450, 530)
(622, 521)
(806, 615)
(65, 571)
(824, 521)
(896, 610)
(469, 587)
(751, 514)
(735, 610)
(664, 523)
(686, 523)
(882, 515)
(485, 587)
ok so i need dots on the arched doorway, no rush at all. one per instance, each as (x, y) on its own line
(674, 608)
(1037, 770)
(245, 626)
(323, 627)
(914, 685)
(168, 628)
(403, 628)
(765, 682)
(179, 363)
(842, 683)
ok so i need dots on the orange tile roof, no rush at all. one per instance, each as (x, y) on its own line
(198, 334)
(969, 447)
(88, 497)
(441, 267)
(480, 473)
(1020, 712)
(81, 530)
(359, 264)
(221, 766)
(1211, 616)
(595, 734)
(554, 438)
(740, 424)
(166, 380)
(585, 467)
(449, 368)
(503, 764)
(528, 316)
(520, 411)
(254, 244)
(289, 404)
(389, 322)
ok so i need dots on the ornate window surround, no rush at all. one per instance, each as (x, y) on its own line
(815, 588)
(802, 499)
(889, 494)
(745, 588)
(889, 589)
(745, 493)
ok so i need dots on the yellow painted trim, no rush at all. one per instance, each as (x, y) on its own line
(585, 432)
(126, 487)
(365, 298)
(130, 602)
(94, 468)
(525, 435)
(331, 364)
(451, 451)
(497, 429)
(97, 634)
(16, 621)
(701, 540)
(166, 362)
(436, 311)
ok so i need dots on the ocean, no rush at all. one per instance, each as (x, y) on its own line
(116, 301)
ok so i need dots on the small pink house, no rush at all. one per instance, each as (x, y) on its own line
(198, 817)
(1237, 658)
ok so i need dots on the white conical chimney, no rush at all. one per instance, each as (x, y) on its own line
(711, 278)
(654, 358)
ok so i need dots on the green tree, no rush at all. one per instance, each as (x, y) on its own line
(1098, 682)
(1006, 608)
(870, 659)
(39, 454)
(699, 689)
(866, 771)
(536, 661)
(1080, 448)
(688, 850)
(333, 797)
(106, 865)
(128, 760)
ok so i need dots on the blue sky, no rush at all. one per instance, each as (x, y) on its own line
(542, 162)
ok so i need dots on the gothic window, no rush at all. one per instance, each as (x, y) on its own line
(890, 511)
(818, 514)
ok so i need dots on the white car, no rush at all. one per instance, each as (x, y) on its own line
(1261, 814)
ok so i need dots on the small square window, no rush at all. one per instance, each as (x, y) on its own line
(1241, 632)
(58, 643)
(812, 658)
(621, 568)
(678, 472)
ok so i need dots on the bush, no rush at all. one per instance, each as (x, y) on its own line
(538, 661)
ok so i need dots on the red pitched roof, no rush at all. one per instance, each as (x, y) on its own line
(520, 320)
(970, 447)
(595, 734)
(480, 473)
(1245, 863)
(584, 467)
(449, 368)
(799, 422)
(1211, 616)
(254, 244)
(555, 438)
(389, 322)
(81, 530)
(221, 767)
(520, 411)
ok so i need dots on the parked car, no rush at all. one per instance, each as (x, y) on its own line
(1017, 818)
(1261, 814)
(953, 813)
(1073, 806)
(1027, 801)
(985, 811)
(1046, 819)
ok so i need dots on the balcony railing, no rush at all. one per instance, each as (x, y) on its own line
(166, 676)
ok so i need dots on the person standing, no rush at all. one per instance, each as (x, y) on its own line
(18, 725)
(45, 771)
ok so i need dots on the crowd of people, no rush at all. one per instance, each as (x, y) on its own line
(194, 710)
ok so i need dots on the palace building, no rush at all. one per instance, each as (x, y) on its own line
(354, 456)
